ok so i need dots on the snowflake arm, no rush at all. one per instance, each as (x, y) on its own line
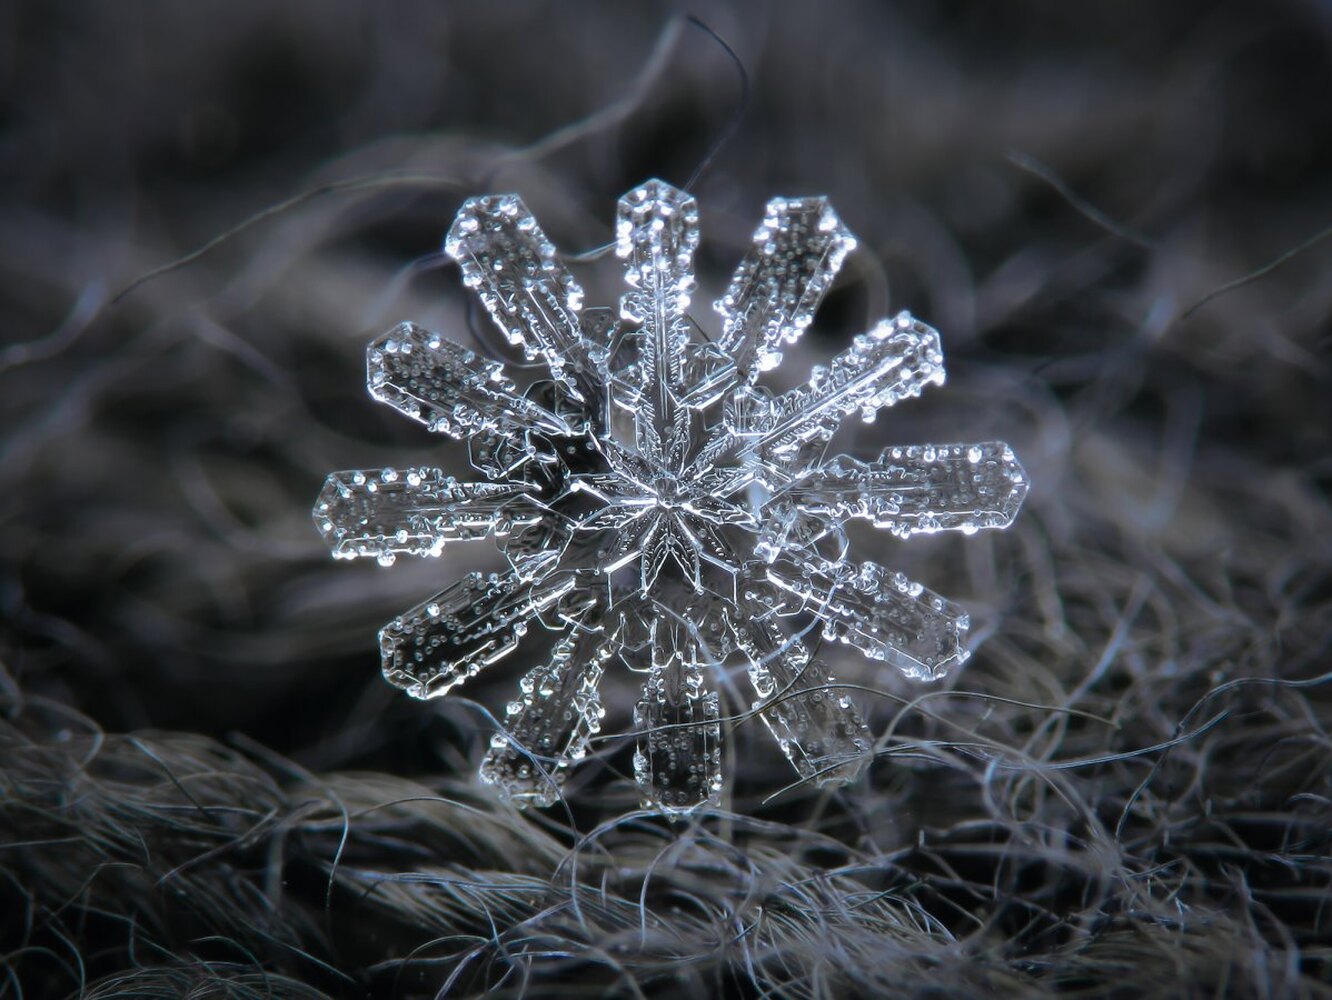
(449, 388)
(557, 713)
(921, 488)
(678, 760)
(656, 234)
(533, 299)
(390, 512)
(883, 614)
(442, 642)
(796, 253)
(816, 725)
(893, 361)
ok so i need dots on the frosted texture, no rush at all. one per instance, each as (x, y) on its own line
(658, 507)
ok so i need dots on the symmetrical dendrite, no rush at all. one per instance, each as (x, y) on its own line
(658, 507)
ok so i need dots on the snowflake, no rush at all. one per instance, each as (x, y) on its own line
(657, 506)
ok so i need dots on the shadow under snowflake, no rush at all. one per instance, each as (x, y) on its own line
(657, 506)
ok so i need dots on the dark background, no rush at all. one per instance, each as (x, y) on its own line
(1113, 212)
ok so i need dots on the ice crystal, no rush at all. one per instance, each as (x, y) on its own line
(658, 507)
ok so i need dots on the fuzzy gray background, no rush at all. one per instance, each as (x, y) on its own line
(1114, 214)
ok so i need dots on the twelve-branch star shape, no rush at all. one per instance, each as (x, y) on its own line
(658, 507)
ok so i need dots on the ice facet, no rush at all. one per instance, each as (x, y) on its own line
(659, 507)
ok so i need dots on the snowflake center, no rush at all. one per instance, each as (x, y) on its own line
(666, 493)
